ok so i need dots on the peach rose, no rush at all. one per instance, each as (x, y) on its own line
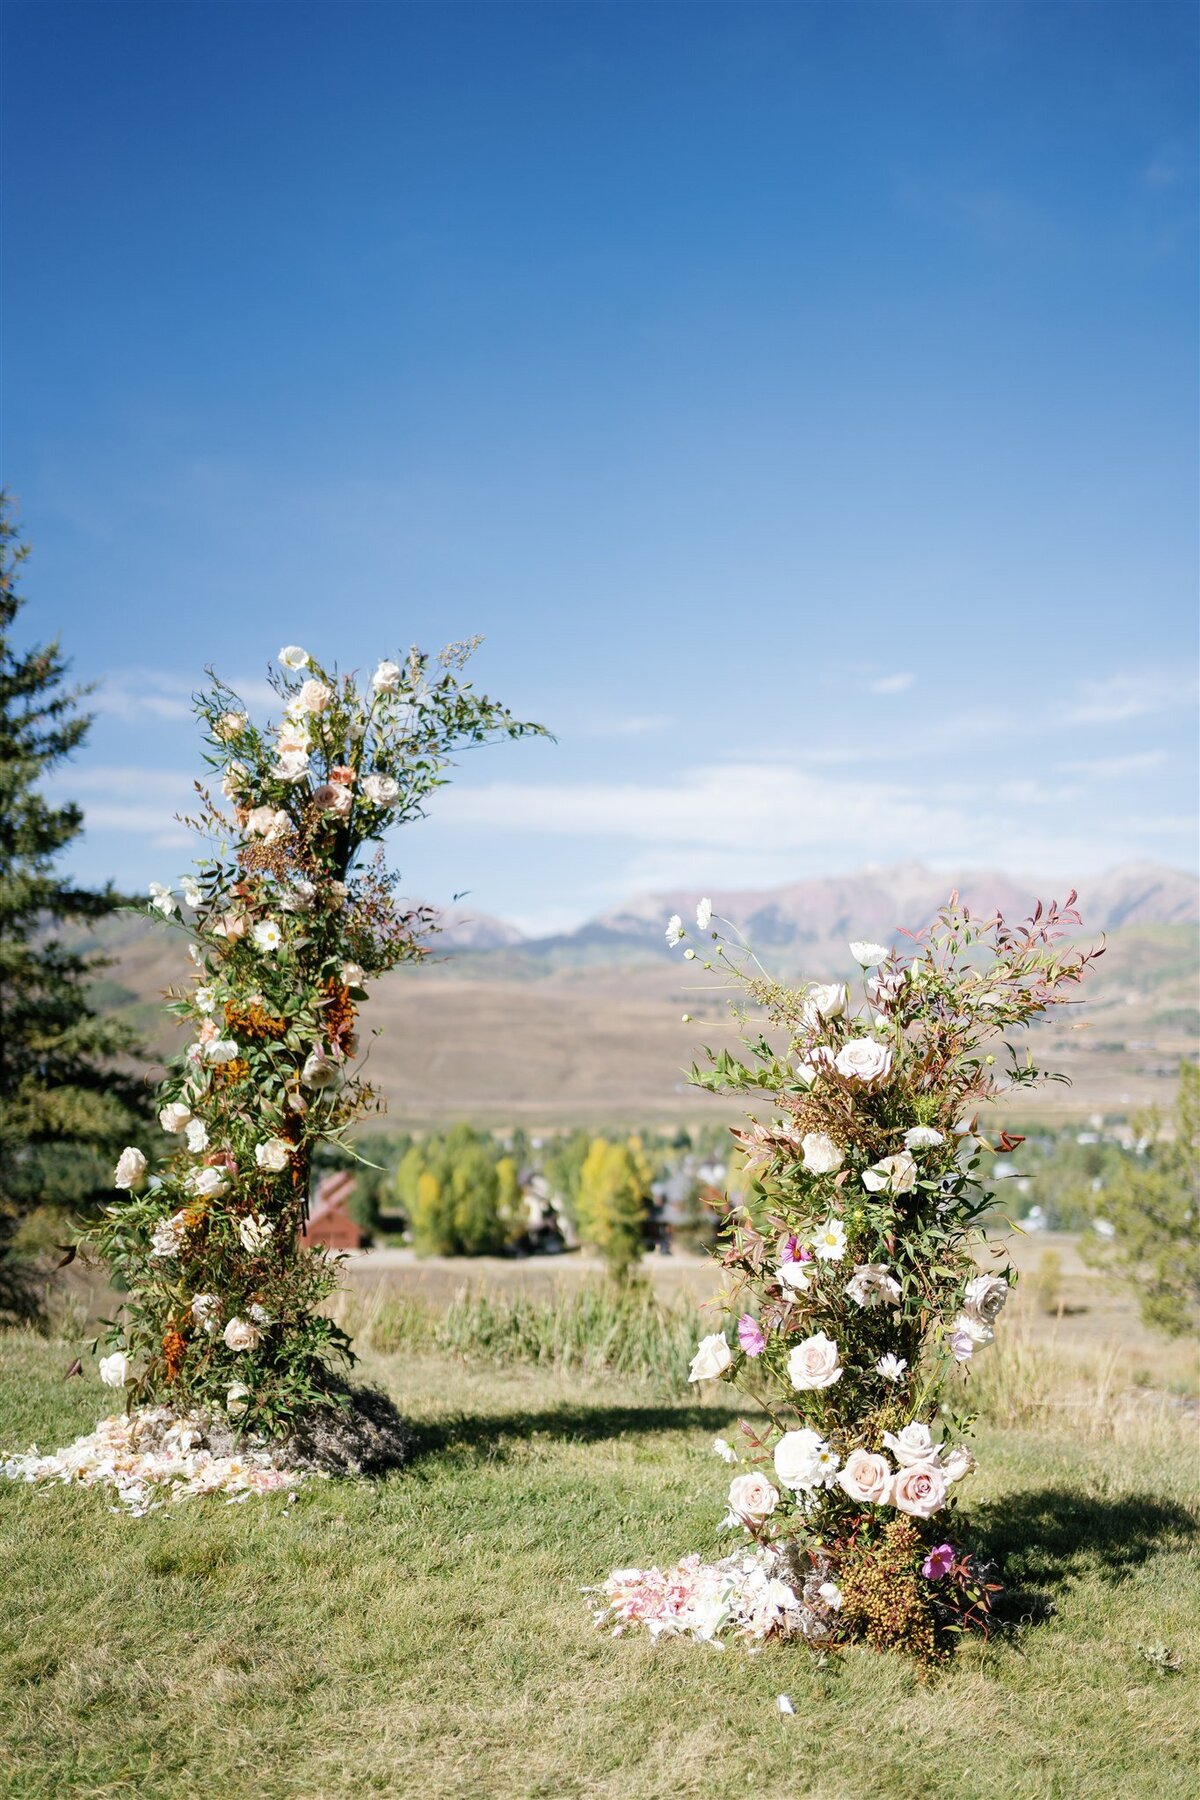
(332, 797)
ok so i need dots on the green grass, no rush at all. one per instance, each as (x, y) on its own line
(426, 1635)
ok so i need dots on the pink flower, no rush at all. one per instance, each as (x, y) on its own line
(750, 1335)
(333, 797)
(938, 1563)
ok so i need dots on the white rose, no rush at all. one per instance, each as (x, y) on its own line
(293, 657)
(864, 1061)
(273, 1156)
(912, 1445)
(205, 1308)
(797, 1458)
(240, 1334)
(174, 1117)
(868, 956)
(866, 1477)
(985, 1297)
(130, 1169)
(957, 1463)
(821, 1155)
(318, 1071)
(922, 1137)
(237, 1397)
(386, 678)
(381, 790)
(114, 1369)
(970, 1325)
(167, 1237)
(314, 697)
(919, 1490)
(712, 1358)
(208, 1184)
(871, 1285)
(895, 1174)
(229, 726)
(234, 779)
(269, 822)
(255, 1234)
(826, 1000)
(290, 766)
(197, 1136)
(752, 1498)
(814, 1363)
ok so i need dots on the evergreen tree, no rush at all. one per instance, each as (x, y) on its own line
(66, 1108)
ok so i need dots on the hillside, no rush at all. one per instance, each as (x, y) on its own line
(587, 1027)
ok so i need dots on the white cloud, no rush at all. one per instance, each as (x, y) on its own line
(890, 684)
(634, 725)
(1111, 768)
(135, 694)
(1116, 698)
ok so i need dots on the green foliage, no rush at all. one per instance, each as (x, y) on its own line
(613, 1203)
(461, 1195)
(67, 1098)
(562, 1164)
(1153, 1205)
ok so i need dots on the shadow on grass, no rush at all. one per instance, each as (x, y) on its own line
(1044, 1539)
(491, 1435)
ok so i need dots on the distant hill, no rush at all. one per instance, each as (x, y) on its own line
(586, 1027)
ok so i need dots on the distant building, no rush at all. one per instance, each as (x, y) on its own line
(329, 1221)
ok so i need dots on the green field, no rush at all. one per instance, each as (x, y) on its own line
(426, 1635)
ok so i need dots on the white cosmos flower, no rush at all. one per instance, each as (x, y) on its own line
(830, 1242)
(891, 1367)
(675, 931)
(221, 1050)
(868, 956)
(162, 899)
(293, 657)
(725, 1451)
(204, 1000)
(704, 915)
(922, 1137)
(191, 890)
(114, 1369)
(267, 934)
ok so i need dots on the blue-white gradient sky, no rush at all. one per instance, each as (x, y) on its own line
(800, 398)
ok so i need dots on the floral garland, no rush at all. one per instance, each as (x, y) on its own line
(854, 1292)
(286, 929)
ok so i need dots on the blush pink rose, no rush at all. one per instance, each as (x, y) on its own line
(919, 1490)
(866, 1477)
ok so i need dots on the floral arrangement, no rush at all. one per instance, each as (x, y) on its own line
(286, 928)
(853, 1288)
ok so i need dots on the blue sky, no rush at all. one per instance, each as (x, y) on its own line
(800, 399)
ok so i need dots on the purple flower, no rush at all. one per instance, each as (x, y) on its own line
(938, 1563)
(750, 1335)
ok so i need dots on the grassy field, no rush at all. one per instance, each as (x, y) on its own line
(426, 1635)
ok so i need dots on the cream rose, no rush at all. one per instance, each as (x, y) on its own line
(864, 1061)
(221, 1050)
(821, 1156)
(255, 1235)
(866, 1477)
(313, 697)
(912, 1445)
(958, 1463)
(381, 790)
(713, 1356)
(174, 1117)
(197, 1136)
(814, 1363)
(798, 1458)
(386, 678)
(130, 1169)
(273, 1156)
(752, 1498)
(894, 1175)
(919, 1489)
(229, 726)
(291, 766)
(970, 1326)
(114, 1369)
(985, 1297)
(318, 1070)
(237, 1397)
(240, 1334)
(208, 1184)
(825, 1000)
